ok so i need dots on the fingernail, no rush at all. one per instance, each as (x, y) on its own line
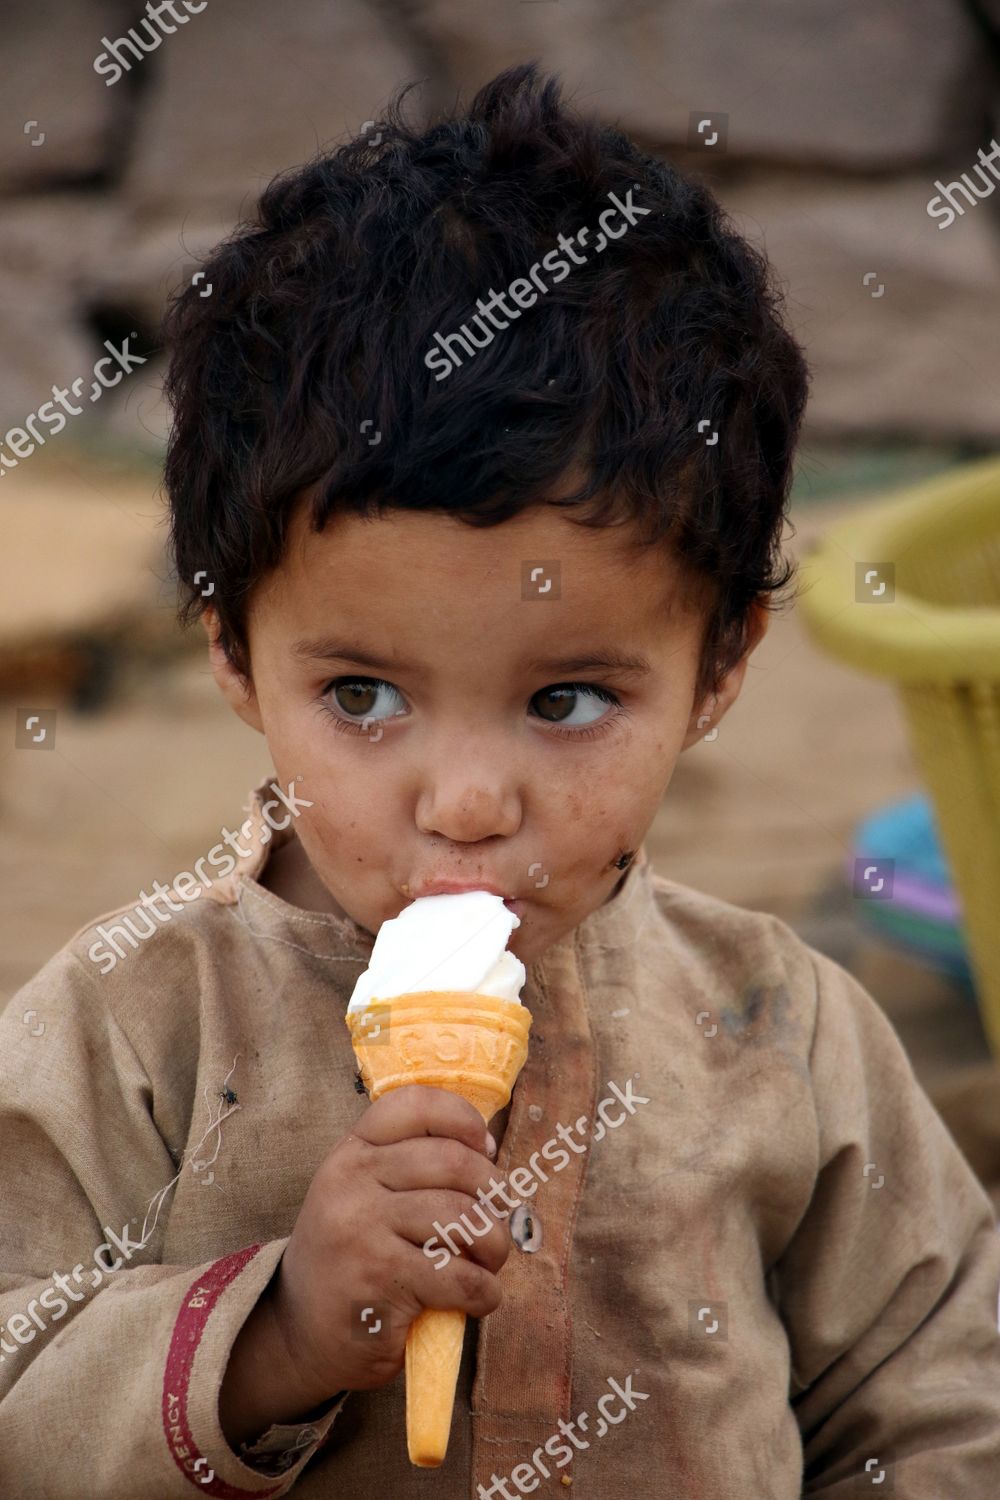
(491, 1145)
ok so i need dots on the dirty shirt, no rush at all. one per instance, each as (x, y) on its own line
(750, 1261)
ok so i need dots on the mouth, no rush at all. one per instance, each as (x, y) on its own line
(457, 887)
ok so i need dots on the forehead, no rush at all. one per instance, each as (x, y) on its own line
(426, 576)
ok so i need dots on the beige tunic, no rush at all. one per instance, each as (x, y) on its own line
(765, 1269)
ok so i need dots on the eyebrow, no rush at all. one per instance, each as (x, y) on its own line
(606, 660)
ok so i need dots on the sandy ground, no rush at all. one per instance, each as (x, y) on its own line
(763, 815)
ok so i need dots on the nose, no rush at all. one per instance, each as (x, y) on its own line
(467, 799)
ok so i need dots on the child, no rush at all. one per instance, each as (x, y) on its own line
(481, 449)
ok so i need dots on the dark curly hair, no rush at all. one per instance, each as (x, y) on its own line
(318, 334)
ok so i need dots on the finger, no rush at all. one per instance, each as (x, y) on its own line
(417, 1110)
(435, 1222)
(438, 1162)
(462, 1284)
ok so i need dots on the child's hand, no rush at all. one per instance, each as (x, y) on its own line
(417, 1155)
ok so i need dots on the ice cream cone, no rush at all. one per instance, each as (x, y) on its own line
(473, 1045)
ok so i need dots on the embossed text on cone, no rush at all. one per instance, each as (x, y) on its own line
(472, 1045)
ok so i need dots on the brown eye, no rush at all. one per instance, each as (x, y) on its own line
(564, 698)
(355, 697)
(559, 699)
(360, 701)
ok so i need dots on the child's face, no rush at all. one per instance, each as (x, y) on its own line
(471, 768)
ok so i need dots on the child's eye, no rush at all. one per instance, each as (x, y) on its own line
(354, 702)
(566, 697)
(356, 699)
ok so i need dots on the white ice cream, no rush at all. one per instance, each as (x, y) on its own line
(456, 942)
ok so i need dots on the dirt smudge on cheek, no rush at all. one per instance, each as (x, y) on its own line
(575, 805)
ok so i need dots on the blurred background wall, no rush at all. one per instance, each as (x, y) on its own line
(834, 131)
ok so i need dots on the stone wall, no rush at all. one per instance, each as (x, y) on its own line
(832, 122)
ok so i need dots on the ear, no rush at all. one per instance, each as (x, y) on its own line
(238, 691)
(707, 713)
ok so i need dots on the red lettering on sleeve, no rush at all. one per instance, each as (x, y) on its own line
(187, 1334)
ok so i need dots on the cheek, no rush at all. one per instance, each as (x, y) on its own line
(349, 855)
(294, 755)
(599, 820)
(331, 845)
(594, 825)
(576, 810)
(619, 795)
(343, 771)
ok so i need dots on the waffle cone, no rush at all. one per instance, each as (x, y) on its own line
(472, 1045)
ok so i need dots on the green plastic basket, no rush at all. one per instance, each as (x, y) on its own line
(909, 589)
